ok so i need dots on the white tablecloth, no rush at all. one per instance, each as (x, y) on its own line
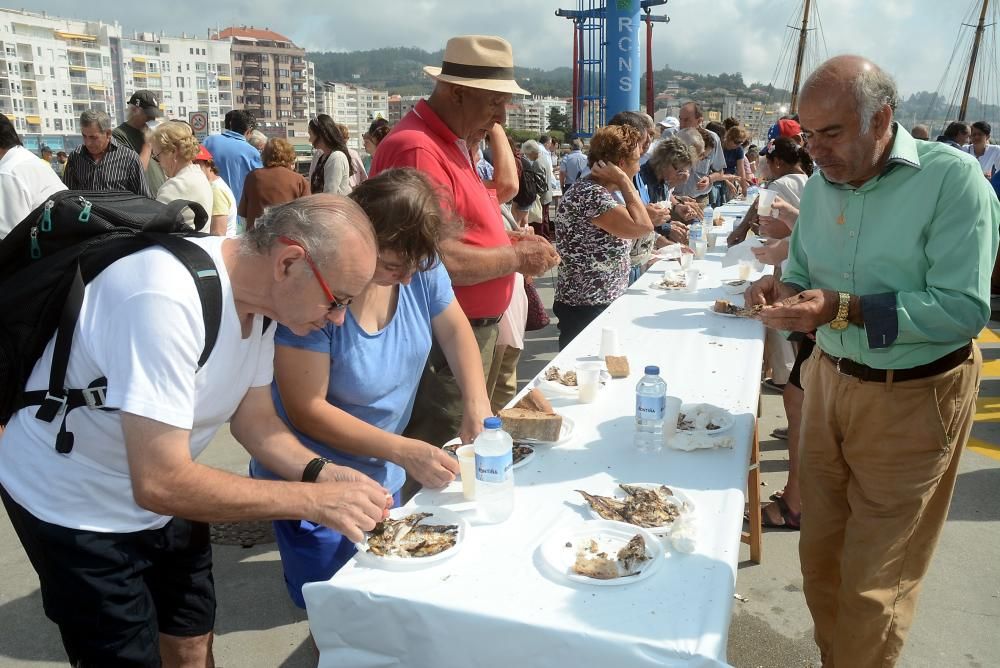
(493, 604)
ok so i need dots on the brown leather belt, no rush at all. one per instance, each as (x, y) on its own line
(484, 322)
(868, 374)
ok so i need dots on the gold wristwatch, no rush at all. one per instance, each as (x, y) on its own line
(840, 322)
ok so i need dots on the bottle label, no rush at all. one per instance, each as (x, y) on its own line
(650, 408)
(494, 469)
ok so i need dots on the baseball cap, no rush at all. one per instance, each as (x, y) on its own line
(147, 101)
(670, 122)
(203, 154)
(788, 127)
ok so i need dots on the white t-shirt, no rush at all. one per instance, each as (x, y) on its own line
(989, 160)
(26, 181)
(141, 326)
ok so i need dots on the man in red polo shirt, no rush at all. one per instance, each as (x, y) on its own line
(474, 85)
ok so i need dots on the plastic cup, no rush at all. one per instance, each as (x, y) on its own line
(764, 201)
(670, 413)
(712, 238)
(744, 270)
(685, 260)
(700, 247)
(609, 341)
(467, 469)
(692, 280)
(588, 380)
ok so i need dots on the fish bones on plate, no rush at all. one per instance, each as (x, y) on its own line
(642, 506)
(594, 560)
(409, 537)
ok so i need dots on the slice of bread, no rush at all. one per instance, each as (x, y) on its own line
(617, 365)
(536, 401)
(528, 423)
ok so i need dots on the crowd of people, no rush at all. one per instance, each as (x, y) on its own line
(401, 288)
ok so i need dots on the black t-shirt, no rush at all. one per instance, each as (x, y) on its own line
(129, 136)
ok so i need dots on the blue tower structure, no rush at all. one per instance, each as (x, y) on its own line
(606, 61)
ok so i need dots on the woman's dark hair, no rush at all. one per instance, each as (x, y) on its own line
(324, 127)
(408, 213)
(789, 152)
(378, 130)
(707, 137)
(717, 128)
(983, 127)
(730, 123)
(8, 135)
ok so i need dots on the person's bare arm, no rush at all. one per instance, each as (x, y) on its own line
(454, 334)
(628, 222)
(469, 265)
(303, 379)
(167, 481)
(504, 166)
(219, 225)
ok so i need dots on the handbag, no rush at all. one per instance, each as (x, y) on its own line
(537, 317)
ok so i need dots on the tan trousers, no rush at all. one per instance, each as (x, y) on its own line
(501, 384)
(878, 467)
(437, 408)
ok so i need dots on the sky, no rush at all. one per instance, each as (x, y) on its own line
(912, 39)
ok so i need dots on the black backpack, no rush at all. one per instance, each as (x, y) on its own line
(531, 183)
(46, 261)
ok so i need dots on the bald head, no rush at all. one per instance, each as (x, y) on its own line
(871, 87)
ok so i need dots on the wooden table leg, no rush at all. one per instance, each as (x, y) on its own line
(753, 537)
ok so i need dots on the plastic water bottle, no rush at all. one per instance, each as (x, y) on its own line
(709, 214)
(650, 406)
(695, 232)
(494, 472)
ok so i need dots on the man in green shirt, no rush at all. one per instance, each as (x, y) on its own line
(890, 263)
(142, 109)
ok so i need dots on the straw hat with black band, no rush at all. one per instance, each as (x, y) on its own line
(478, 61)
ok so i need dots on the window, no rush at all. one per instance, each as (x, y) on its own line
(266, 85)
(187, 67)
(283, 73)
(57, 124)
(202, 83)
(191, 51)
(39, 52)
(238, 71)
(180, 82)
(181, 94)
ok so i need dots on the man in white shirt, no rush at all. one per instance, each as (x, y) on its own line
(25, 181)
(127, 580)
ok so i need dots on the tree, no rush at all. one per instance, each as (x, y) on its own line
(559, 121)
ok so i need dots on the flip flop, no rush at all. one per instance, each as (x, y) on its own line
(780, 433)
(789, 519)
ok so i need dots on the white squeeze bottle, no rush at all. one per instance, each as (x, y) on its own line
(650, 406)
(494, 472)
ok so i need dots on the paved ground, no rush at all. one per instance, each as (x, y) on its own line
(955, 624)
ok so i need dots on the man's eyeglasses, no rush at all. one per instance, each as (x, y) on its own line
(335, 304)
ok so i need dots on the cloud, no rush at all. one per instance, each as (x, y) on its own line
(910, 38)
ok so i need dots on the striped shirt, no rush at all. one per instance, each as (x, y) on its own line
(118, 169)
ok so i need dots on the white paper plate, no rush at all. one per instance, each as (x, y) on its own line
(517, 465)
(556, 388)
(735, 289)
(438, 516)
(719, 416)
(686, 505)
(610, 535)
(565, 433)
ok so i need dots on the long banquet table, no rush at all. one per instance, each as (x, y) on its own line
(494, 604)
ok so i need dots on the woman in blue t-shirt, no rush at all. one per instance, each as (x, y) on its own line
(347, 391)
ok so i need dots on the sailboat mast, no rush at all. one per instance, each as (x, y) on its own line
(972, 61)
(798, 61)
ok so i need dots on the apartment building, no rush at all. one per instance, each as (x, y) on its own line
(354, 106)
(187, 74)
(400, 105)
(533, 113)
(51, 70)
(273, 80)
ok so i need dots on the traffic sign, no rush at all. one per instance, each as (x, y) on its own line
(199, 122)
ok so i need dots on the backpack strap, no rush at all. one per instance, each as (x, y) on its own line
(58, 401)
(206, 278)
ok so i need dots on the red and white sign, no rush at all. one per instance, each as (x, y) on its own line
(199, 122)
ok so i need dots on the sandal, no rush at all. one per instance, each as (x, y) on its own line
(781, 433)
(789, 520)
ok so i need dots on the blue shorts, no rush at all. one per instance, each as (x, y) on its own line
(311, 552)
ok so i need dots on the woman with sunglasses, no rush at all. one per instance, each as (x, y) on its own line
(347, 391)
(175, 147)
